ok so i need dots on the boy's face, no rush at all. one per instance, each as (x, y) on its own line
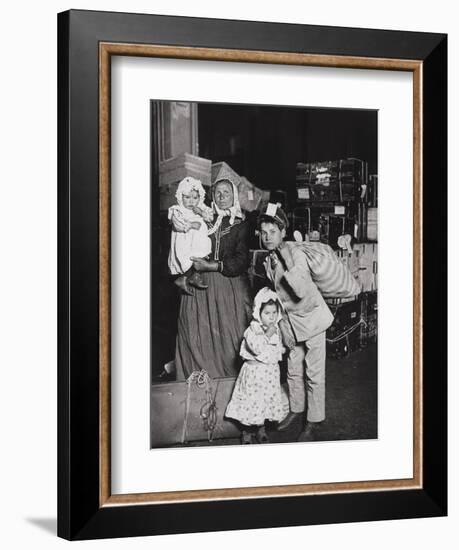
(190, 199)
(268, 315)
(271, 235)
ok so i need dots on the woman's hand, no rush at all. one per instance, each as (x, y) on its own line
(285, 256)
(195, 225)
(200, 264)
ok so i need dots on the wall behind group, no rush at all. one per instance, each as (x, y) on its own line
(264, 143)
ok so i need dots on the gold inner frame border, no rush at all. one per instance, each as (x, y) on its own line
(106, 51)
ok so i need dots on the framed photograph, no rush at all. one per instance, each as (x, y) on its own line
(252, 275)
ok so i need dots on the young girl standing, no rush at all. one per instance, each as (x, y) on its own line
(257, 392)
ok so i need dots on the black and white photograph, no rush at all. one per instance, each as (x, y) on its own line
(264, 274)
(229, 275)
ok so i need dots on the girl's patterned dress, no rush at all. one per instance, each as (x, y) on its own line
(257, 393)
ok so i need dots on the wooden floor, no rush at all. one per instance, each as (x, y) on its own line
(351, 403)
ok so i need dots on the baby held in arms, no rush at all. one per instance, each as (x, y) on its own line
(189, 238)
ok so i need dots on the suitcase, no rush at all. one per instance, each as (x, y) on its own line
(305, 219)
(359, 210)
(372, 224)
(257, 272)
(194, 410)
(354, 172)
(320, 192)
(331, 227)
(333, 180)
(344, 335)
(191, 411)
(318, 181)
(369, 333)
(303, 194)
(367, 255)
(318, 172)
(373, 190)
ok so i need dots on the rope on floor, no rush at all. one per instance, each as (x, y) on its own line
(208, 411)
(346, 333)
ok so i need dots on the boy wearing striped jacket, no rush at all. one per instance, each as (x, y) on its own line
(307, 319)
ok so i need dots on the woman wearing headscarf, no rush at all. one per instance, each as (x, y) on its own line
(212, 322)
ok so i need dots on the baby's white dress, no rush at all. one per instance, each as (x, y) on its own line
(186, 242)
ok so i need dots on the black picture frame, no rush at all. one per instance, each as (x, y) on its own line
(80, 512)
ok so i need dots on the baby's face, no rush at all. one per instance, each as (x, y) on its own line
(268, 315)
(190, 199)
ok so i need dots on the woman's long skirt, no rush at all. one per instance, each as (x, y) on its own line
(211, 325)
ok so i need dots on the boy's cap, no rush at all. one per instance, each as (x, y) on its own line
(273, 213)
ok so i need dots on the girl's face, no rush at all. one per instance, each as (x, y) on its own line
(223, 195)
(268, 315)
(190, 199)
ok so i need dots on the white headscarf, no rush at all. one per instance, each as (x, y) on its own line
(263, 296)
(233, 212)
(185, 187)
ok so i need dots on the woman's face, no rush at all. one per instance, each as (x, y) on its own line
(223, 195)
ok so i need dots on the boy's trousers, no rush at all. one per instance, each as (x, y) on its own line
(306, 371)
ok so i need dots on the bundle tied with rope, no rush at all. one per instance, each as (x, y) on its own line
(332, 277)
